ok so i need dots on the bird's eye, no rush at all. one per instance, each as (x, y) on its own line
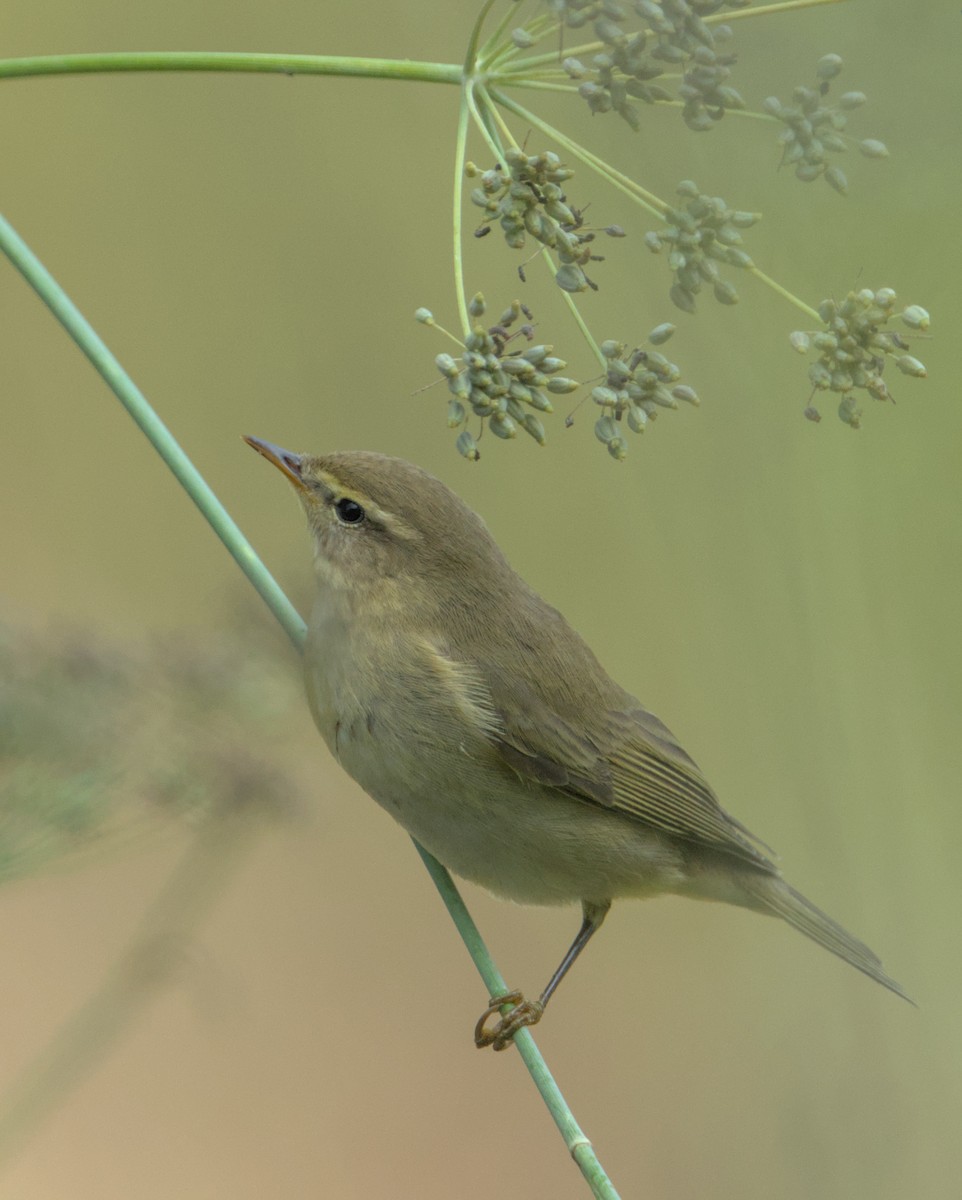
(350, 512)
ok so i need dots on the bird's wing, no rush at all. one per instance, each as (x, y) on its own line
(635, 767)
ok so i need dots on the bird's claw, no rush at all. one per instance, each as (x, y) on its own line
(501, 1035)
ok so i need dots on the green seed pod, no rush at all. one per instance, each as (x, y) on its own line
(514, 410)
(637, 421)
(841, 381)
(728, 235)
(820, 376)
(614, 231)
(827, 310)
(825, 341)
(663, 398)
(502, 426)
(571, 278)
(728, 97)
(725, 292)
(467, 446)
(682, 298)
(911, 366)
(522, 39)
(835, 178)
(812, 414)
(828, 66)
(653, 242)
(540, 401)
(424, 316)
(849, 413)
(533, 426)
(447, 366)
(686, 393)
(456, 413)
(574, 68)
(661, 333)
(611, 349)
(852, 100)
(560, 212)
(618, 448)
(459, 387)
(617, 373)
(536, 225)
(605, 397)
(800, 341)
(560, 386)
(916, 317)
(773, 106)
(548, 366)
(514, 364)
(873, 148)
(689, 189)
(832, 141)
(885, 298)
(738, 258)
(745, 220)
(605, 429)
(807, 172)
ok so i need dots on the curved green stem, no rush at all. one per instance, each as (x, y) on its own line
(785, 294)
(457, 217)
(765, 10)
(202, 60)
(471, 54)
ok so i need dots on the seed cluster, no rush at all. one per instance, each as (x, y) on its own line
(528, 199)
(675, 38)
(505, 387)
(854, 346)
(814, 128)
(637, 384)
(699, 236)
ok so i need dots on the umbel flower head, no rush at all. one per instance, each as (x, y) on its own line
(854, 345)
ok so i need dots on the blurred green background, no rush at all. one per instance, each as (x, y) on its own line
(784, 595)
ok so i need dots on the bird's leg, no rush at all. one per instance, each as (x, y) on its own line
(529, 1012)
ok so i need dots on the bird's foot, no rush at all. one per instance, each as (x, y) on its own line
(501, 1035)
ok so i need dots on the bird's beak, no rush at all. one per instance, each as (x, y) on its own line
(286, 461)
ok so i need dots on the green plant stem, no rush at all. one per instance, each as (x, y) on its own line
(114, 1007)
(202, 60)
(578, 1144)
(765, 10)
(457, 218)
(785, 294)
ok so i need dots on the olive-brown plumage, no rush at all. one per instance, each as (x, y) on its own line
(471, 711)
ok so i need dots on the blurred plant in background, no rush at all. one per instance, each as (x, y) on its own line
(104, 744)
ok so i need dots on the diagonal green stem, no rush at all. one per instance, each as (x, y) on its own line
(67, 1066)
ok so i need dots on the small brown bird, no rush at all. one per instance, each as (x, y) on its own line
(475, 715)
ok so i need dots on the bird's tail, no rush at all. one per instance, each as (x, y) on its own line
(777, 897)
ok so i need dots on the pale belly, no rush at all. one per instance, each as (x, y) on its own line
(518, 839)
